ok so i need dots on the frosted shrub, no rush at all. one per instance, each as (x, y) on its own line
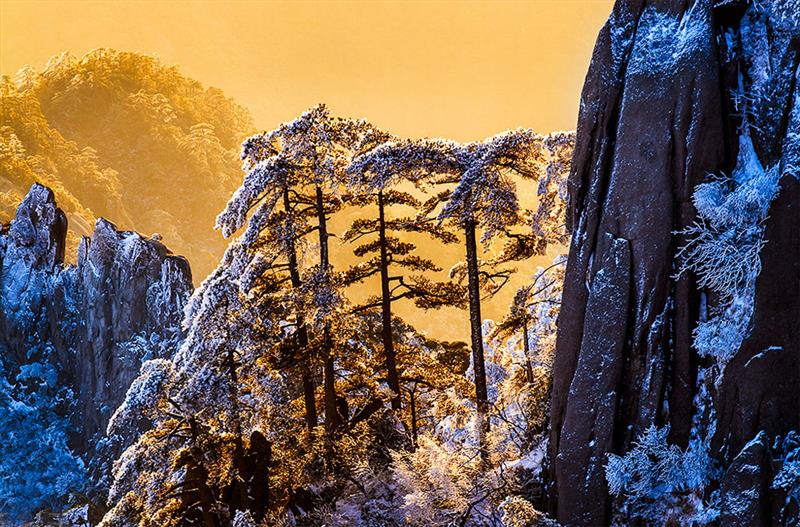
(725, 243)
(661, 482)
(438, 484)
(724, 258)
(722, 335)
(724, 246)
(519, 512)
(243, 519)
(788, 477)
(37, 467)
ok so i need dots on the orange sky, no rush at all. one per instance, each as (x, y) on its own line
(463, 70)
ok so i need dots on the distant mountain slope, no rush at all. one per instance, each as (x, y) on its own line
(120, 135)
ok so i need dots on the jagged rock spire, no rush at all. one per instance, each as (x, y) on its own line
(120, 305)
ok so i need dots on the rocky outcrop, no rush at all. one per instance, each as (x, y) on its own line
(661, 110)
(587, 433)
(745, 491)
(760, 390)
(131, 297)
(31, 256)
(120, 305)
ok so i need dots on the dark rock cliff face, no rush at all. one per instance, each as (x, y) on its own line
(120, 305)
(659, 113)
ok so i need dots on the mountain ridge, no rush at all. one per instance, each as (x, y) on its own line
(120, 135)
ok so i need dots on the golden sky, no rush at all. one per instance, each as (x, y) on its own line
(463, 70)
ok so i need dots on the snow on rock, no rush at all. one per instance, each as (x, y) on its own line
(87, 327)
(34, 252)
(131, 293)
(689, 117)
(668, 40)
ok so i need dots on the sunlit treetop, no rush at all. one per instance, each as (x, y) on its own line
(312, 150)
(481, 171)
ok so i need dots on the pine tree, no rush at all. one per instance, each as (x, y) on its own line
(391, 256)
(230, 422)
(484, 197)
(295, 173)
(533, 310)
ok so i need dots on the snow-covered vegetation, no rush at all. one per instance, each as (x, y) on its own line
(288, 402)
(37, 468)
(787, 478)
(724, 248)
(661, 483)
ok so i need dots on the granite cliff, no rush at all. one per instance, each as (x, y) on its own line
(94, 322)
(681, 299)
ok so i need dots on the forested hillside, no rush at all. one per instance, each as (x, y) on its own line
(121, 136)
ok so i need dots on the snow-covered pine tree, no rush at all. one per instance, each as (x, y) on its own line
(389, 252)
(481, 195)
(295, 175)
(296, 180)
(444, 480)
(531, 324)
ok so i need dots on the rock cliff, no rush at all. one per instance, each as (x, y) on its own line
(99, 320)
(681, 93)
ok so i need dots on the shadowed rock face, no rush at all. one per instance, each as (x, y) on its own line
(657, 117)
(122, 304)
(131, 297)
(593, 397)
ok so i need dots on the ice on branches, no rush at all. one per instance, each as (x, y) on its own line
(662, 483)
(724, 247)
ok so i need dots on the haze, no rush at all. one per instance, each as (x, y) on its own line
(460, 70)
(463, 70)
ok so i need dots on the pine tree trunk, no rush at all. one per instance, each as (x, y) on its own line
(238, 490)
(322, 220)
(309, 387)
(309, 396)
(412, 401)
(481, 397)
(386, 310)
(526, 346)
(332, 417)
(202, 496)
